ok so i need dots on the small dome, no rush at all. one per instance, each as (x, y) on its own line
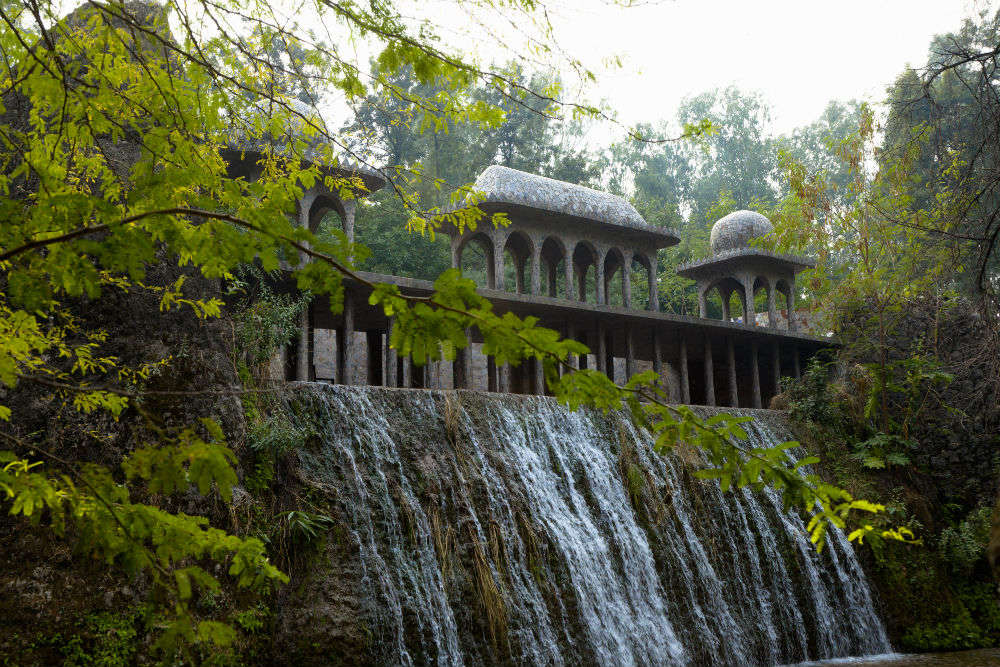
(735, 231)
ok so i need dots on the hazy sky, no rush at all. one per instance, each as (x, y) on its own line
(799, 53)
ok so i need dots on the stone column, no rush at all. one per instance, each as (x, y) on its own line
(350, 206)
(406, 372)
(499, 276)
(553, 277)
(391, 360)
(602, 351)
(304, 358)
(702, 302)
(627, 279)
(568, 268)
(658, 358)
(456, 259)
(772, 311)
(581, 283)
(536, 269)
(709, 374)
(776, 355)
(629, 352)
(654, 289)
(726, 295)
(755, 374)
(749, 317)
(345, 336)
(685, 378)
(734, 396)
(519, 275)
(573, 360)
(600, 278)
(539, 373)
(793, 325)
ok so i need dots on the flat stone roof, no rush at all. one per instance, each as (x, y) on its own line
(732, 259)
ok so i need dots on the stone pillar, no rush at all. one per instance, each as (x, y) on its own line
(568, 268)
(629, 352)
(658, 358)
(755, 374)
(303, 359)
(776, 355)
(456, 258)
(499, 276)
(581, 283)
(793, 325)
(726, 295)
(602, 351)
(627, 279)
(772, 311)
(345, 336)
(350, 206)
(599, 277)
(685, 378)
(654, 289)
(375, 376)
(573, 360)
(709, 374)
(749, 318)
(539, 372)
(405, 372)
(702, 302)
(536, 269)
(519, 275)
(734, 396)
(391, 360)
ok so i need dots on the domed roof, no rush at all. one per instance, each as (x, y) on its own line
(735, 231)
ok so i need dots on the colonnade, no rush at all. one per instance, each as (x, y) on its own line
(537, 255)
(746, 286)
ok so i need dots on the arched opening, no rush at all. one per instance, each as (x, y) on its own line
(517, 255)
(475, 259)
(734, 305)
(782, 295)
(319, 210)
(614, 285)
(730, 303)
(585, 271)
(761, 285)
(642, 282)
(554, 267)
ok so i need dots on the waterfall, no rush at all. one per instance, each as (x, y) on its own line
(481, 529)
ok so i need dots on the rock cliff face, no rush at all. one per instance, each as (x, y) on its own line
(475, 528)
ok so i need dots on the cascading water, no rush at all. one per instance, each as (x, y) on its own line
(487, 529)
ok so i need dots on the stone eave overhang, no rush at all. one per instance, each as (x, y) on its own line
(250, 153)
(657, 237)
(732, 259)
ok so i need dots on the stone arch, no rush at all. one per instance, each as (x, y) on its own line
(553, 257)
(727, 288)
(320, 206)
(585, 256)
(642, 289)
(480, 266)
(612, 273)
(521, 249)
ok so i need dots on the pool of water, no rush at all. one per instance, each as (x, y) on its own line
(980, 658)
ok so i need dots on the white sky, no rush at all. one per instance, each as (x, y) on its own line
(799, 53)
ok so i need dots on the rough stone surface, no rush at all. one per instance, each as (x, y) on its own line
(737, 229)
(503, 185)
